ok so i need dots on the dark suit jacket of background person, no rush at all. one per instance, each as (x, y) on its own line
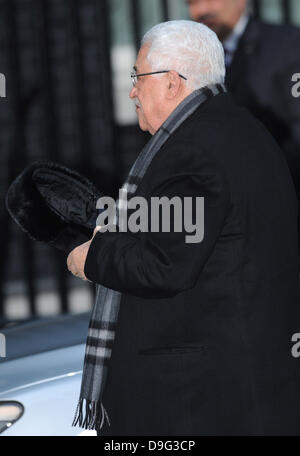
(259, 78)
(203, 339)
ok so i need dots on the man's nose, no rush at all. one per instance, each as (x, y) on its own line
(132, 93)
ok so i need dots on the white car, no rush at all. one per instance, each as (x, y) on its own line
(40, 376)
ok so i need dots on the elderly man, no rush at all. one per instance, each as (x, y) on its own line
(195, 338)
(262, 62)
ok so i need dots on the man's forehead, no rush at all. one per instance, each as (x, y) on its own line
(141, 58)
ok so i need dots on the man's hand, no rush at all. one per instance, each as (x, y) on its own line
(76, 259)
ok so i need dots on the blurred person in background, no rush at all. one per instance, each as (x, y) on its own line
(261, 60)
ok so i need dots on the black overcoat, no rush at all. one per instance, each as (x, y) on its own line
(203, 340)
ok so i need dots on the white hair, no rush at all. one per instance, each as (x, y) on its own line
(190, 48)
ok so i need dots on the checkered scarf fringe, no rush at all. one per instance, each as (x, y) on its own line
(90, 412)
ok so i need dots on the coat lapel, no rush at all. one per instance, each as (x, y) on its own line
(248, 46)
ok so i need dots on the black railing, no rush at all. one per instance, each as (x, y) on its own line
(55, 56)
(287, 11)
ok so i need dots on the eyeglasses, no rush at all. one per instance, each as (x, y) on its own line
(134, 76)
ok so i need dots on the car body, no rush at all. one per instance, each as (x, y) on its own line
(41, 374)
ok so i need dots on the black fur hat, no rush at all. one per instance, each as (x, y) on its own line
(54, 204)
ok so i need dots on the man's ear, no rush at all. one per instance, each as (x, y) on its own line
(173, 84)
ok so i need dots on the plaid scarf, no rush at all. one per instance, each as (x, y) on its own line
(104, 315)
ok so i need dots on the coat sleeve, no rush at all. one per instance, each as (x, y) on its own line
(162, 264)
